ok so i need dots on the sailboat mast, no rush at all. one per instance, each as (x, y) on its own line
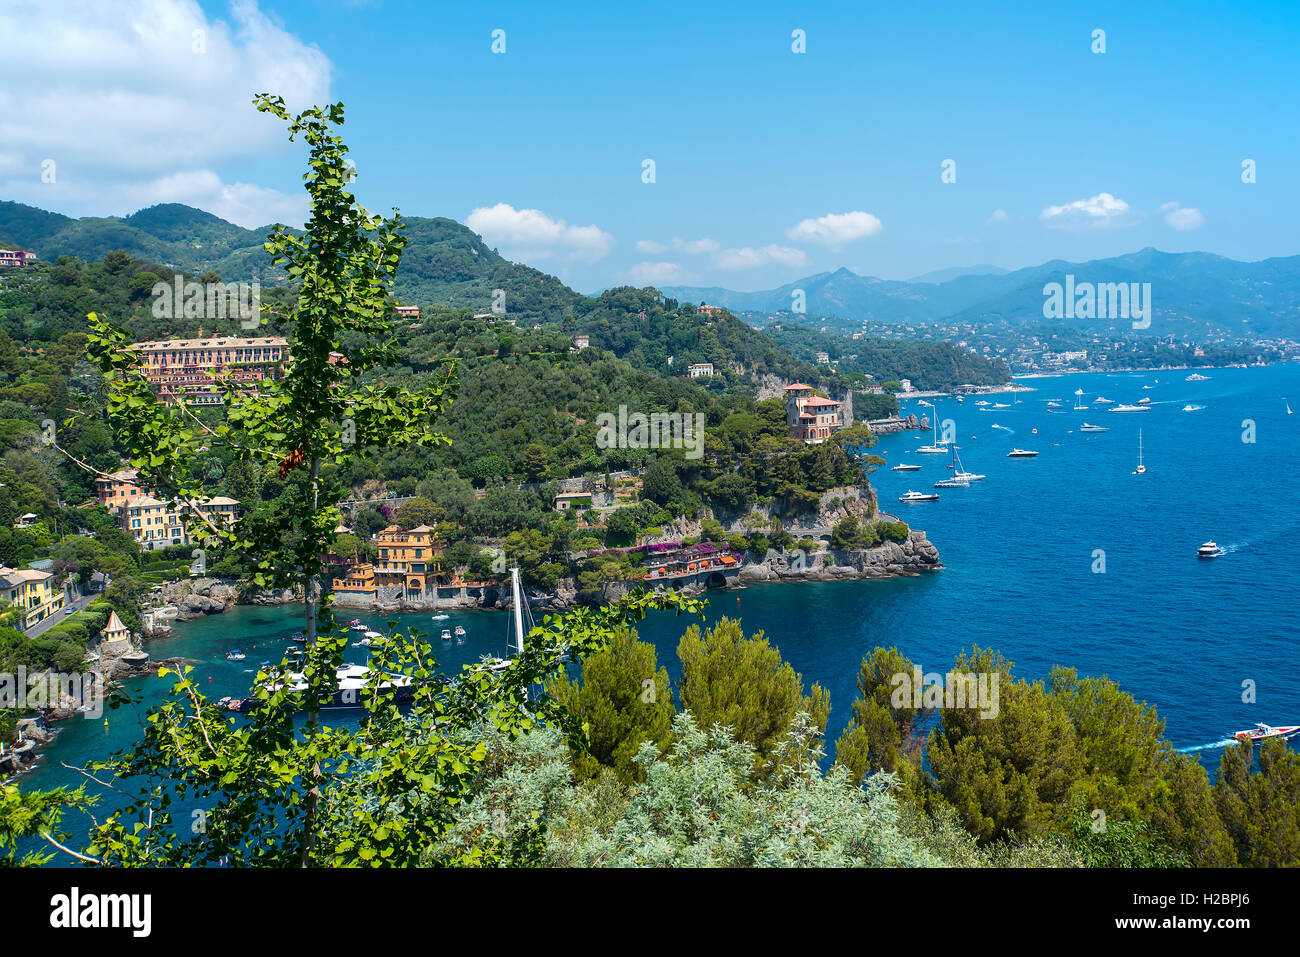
(516, 593)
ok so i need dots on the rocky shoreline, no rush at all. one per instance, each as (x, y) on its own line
(195, 598)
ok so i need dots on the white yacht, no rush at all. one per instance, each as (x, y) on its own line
(1086, 427)
(1209, 550)
(1197, 377)
(906, 468)
(1189, 407)
(1131, 408)
(1021, 454)
(1102, 400)
(911, 496)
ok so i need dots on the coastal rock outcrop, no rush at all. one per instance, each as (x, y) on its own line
(888, 560)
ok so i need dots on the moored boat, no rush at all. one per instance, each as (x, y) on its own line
(906, 468)
(911, 496)
(1088, 427)
(1021, 454)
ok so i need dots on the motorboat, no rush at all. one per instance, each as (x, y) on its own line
(1021, 454)
(906, 468)
(460, 633)
(351, 681)
(235, 655)
(910, 496)
(1145, 400)
(1209, 550)
(1131, 408)
(982, 402)
(1189, 407)
(442, 616)
(1087, 427)
(1262, 732)
(446, 634)
(1102, 400)
(356, 625)
(950, 483)
(1197, 377)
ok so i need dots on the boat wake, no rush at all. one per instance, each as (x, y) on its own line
(1208, 747)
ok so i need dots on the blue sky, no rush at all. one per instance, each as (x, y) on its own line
(1059, 152)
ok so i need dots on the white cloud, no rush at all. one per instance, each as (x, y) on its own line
(692, 247)
(835, 229)
(1097, 211)
(654, 273)
(241, 203)
(1182, 218)
(124, 95)
(749, 257)
(997, 217)
(530, 234)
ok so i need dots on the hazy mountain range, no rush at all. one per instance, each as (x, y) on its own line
(1200, 294)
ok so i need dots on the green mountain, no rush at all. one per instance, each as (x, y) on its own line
(443, 262)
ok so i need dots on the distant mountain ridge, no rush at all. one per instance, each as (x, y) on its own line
(444, 261)
(1198, 293)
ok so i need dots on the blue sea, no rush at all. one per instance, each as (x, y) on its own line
(1020, 549)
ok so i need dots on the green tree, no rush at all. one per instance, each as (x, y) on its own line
(1261, 810)
(418, 511)
(535, 464)
(624, 700)
(885, 730)
(744, 685)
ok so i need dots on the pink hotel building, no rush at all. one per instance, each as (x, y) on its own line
(190, 370)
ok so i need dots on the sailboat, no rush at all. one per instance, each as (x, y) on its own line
(1288, 408)
(959, 472)
(1078, 402)
(935, 448)
(521, 623)
(1141, 469)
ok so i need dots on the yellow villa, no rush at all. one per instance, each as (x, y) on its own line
(411, 558)
(31, 592)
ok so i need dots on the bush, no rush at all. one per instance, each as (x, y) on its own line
(891, 531)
